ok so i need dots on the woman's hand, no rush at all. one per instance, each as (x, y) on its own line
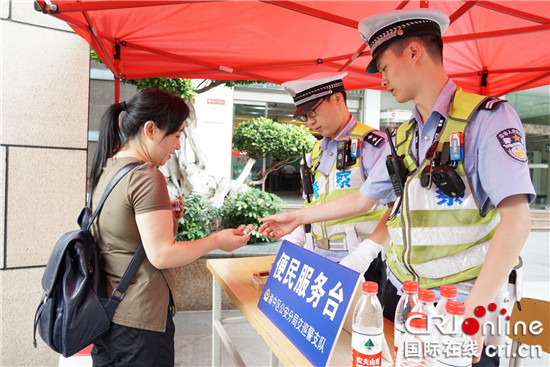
(177, 207)
(230, 239)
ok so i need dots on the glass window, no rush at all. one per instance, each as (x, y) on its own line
(533, 107)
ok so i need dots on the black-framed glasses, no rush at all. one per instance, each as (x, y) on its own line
(311, 113)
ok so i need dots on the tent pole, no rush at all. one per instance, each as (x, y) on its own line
(117, 90)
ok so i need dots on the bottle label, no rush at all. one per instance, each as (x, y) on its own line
(398, 333)
(367, 349)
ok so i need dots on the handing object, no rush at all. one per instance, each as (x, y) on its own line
(247, 229)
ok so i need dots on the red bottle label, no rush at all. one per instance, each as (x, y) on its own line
(372, 360)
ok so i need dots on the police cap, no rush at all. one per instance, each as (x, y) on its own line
(380, 30)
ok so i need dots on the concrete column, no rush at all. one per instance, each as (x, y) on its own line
(43, 149)
(371, 108)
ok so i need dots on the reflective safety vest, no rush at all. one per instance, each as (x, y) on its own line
(436, 239)
(331, 235)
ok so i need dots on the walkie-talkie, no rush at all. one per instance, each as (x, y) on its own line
(307, 177)
(307, 183)
(396, 168)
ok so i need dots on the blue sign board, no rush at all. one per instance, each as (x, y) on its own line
(307, 296)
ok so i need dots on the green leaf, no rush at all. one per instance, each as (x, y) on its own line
(248, 208)
(196, 222)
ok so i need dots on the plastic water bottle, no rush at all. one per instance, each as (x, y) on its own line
(453, 338)
(406, 303)
(448, 293)
(412, 351)
(425, 305)
(367, 328)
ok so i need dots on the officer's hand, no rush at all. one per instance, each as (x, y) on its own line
(277, 225)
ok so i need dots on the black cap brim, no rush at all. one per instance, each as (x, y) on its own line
(372, 68)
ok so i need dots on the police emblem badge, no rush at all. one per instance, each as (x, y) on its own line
(511, 141)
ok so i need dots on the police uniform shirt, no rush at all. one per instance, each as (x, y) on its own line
(495, 172)
(371, 158)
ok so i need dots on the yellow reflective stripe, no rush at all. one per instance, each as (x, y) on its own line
(360, 130)
(451, 218)
(464, 105)
(362, 229)
(368, 216)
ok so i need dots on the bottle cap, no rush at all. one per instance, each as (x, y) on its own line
(370, 287)
(426, 295)
(455, 308)
(448, 291)
(420, 320)
(410, 286)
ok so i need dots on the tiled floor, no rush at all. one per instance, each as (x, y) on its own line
(194, 340)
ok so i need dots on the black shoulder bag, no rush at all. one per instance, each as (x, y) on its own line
(74, 310)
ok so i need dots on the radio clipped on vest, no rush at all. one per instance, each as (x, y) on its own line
(346, 153)
(443, 175)
(396, 168)
(307, 177)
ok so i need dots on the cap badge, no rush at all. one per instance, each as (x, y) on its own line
(399, 32)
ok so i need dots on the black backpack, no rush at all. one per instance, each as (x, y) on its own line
(74, 310)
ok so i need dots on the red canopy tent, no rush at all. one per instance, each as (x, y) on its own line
(491, 47)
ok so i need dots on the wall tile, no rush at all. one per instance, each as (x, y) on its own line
(46, 191)
(19, 302)
(46, 72)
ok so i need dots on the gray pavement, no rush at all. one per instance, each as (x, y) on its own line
(194, 340)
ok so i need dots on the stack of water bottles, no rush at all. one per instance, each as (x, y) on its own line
(418, 342)
(448, 293)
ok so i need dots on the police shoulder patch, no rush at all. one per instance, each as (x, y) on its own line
(375, 138)
(491, 103)
(511, 141)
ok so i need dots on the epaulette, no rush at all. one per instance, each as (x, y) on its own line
(375, 138)
(492, 103)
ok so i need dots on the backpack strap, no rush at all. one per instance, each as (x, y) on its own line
(117, 177)
(120, 290)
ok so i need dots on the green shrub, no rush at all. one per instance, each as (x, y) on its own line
(283, 142)
(196, 222)
(248, 208)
